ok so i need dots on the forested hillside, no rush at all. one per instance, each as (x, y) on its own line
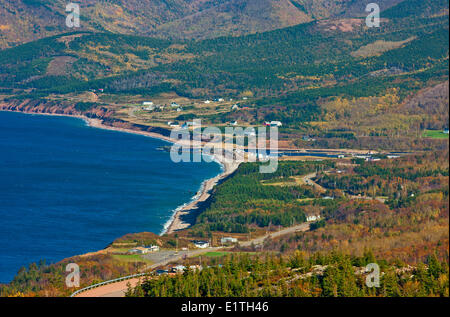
(392, 212)
(336, 80)
(333, 275)
(28, 20)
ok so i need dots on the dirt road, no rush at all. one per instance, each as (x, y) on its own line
(308, 181)
(258, 241)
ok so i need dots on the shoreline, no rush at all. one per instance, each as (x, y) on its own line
(182, 216)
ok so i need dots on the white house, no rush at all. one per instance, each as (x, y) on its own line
(201, 244)
(153, 248)
(275, 124)
(174, 105)
(207, 101)
(312, 218)
(147, 103)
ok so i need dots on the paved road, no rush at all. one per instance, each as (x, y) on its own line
(111, 290)
(118, 289)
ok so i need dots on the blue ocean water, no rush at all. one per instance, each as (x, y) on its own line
(68, 189)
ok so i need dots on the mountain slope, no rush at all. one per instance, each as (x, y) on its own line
(332, 78)
(235, 17)
(27, 20)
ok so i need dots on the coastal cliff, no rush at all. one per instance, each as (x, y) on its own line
(102, 113)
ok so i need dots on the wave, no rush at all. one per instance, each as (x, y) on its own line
(194, 198)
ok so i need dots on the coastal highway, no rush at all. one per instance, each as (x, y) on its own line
(118, 289)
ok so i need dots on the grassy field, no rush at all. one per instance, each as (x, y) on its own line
(435, 134)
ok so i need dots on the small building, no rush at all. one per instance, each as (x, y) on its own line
(310, 218)
(220, 100)
(365, 157)
(174, 105)
(178, 269)
(393, 156)
(139, 250)
(153, 248)
(225, 240)
(235, 107)
(273, 124)
(207, 101)
(147, 103)
(276, 124)
(201, 244)
(446, 131)
(179, 109)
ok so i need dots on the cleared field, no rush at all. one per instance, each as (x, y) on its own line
(435, 134)
(287, 181)
(131, 258)
(379, 47)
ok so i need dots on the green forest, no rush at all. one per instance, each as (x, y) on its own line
(333, 275)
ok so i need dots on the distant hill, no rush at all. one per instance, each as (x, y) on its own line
(335, 79)
(28, 20)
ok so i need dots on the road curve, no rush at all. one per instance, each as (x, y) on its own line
(118, 289)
